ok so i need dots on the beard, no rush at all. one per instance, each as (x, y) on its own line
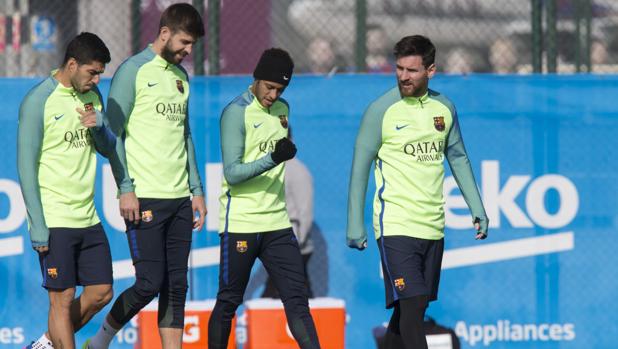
(79, 87)
(411, 90)
(406, 91)
(172, 56)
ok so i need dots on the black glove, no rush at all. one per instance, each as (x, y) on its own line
(284, 150)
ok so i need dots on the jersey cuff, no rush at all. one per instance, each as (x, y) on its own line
(197, 192)
(39, 243)
(99, 119)
(126, 189)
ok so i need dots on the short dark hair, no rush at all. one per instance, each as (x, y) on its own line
(86, 48)
(416, 45)
(183, 17)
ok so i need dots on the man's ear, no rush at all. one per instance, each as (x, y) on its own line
(165, 33)
(71, 65)
(431, 70)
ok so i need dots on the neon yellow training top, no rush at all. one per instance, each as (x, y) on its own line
(253, 191)
(408, 138)
(56, 157)
(148, 111)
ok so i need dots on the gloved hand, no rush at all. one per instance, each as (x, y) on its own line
(481, 224)
(284, 150)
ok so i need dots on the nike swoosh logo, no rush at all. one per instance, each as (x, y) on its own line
(152, 84)
(400, 127)
(58, 117)
(257, 125)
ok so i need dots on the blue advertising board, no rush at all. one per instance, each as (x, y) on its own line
(542, 151)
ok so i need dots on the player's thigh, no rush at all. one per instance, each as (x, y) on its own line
(433, 266)
(94, 261)
(147, 237)
(403, 264)
(281, 257)
(238, 253)
(58, 264)
(179, 235)
(147, 244)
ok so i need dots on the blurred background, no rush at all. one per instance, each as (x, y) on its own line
(329, 36)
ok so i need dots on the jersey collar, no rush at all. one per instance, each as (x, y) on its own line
(60, 87)
(255, 101)
(417, 100)
(160, 61)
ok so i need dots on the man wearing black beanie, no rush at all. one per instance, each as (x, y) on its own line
(254, 222)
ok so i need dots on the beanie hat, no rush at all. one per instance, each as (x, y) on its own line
(274, 65)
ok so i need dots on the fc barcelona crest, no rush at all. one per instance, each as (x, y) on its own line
(284, 120)
(438, 123)
(147, 216)
(52, 272)
(89, 107)
(180, 86)
(242, 246)
(400, 284)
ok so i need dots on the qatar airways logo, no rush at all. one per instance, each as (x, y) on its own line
(267, 146)
(79, 138)
(172, 111)
(425, 151)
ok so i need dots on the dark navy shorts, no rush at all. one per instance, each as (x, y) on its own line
(76, 257)
(411, 267)
(164, 233)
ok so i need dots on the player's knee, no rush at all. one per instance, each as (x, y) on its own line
(104, 297)
(61, 299)
(230, 297)
(227, 307)
(96, 297)
(148, 287)
(178, 283)
(296, 305)
(413, 309)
